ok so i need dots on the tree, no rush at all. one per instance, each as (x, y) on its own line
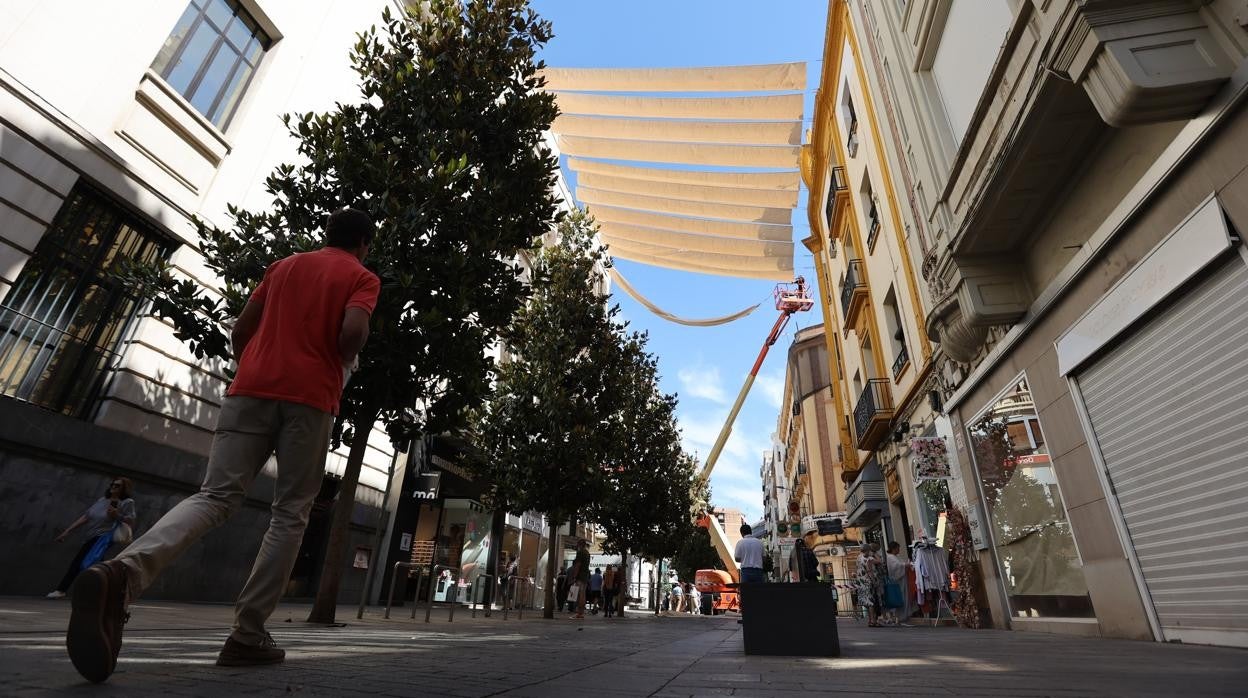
(546, 433)
(647, 505)
(445, 150)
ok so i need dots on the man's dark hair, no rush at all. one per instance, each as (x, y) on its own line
(349, 228)
(894, 546)
(746, 530)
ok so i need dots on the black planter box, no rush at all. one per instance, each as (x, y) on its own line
(793, 620)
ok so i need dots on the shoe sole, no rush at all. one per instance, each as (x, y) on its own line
(85, 639)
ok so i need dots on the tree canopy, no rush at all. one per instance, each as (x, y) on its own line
(445, 150)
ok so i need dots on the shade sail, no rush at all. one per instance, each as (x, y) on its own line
(690, 192)
(770, 107)
(683, 207)
(699, 243)
(704, 226)
(684, 130)
(780, 181)
(623, 283)
(691, 263)
(737, 78)
(699, 183)
(723, 155)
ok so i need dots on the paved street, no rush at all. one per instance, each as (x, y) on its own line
(170, 649)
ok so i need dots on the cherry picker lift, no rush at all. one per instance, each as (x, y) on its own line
(790, 298)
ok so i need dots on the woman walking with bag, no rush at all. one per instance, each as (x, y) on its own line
(109, 520)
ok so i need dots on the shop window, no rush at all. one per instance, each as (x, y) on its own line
(62, 322)
(1039, 564)
(211, 55)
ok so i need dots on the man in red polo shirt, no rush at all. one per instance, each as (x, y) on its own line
(305, 322)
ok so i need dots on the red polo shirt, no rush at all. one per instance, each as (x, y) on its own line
(294, 353)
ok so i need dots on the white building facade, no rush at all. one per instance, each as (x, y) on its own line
(119, 124)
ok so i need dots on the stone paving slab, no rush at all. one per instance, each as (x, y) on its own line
(170, 649)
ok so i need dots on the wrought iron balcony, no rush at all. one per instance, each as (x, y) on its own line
(873, 227)
(902, 360)
(873, 413)
(853, 291)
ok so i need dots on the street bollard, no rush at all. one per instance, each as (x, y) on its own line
(394, 578)
(453, 591)
(472, 595)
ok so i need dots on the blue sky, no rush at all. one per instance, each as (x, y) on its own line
(705, 366)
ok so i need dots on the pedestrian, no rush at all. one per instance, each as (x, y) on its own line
(867, 583)
(580, 577)
(595, 589)
(610, 584)
(295, 342)
(678, 597)
(695, 599)
(109, 521)
(561, 588)
(808, 564)
(895, 568)
(749, 554)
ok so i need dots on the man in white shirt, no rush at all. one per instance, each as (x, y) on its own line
(749, 554)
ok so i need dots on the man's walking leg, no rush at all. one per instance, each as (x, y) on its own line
(301, 449)
(241, 445)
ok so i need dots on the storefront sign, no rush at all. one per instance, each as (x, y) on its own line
(930, 458)
(978, 535)
(892, 481)
(405, 542)
(825, 524)
(1194, 244)
(532, 521)
(426, 486)
(450, 467)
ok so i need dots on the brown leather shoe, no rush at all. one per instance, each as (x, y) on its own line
(96, 619)
(235, 653)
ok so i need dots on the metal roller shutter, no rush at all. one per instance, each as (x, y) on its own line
(1169, 407)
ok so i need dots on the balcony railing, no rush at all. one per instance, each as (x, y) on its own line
(872, 414)
(899, 363)
(840, 182)
(851, 286)
(873, 227)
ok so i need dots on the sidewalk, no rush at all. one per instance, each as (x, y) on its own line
(170, 649)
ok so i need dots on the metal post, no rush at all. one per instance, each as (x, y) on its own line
(393, 579)
(472, 595)
(420, 577)
(454, 589)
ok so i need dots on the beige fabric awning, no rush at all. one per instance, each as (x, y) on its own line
(748, 78)
(780, 181)
(727, 206)
(724, 265)
(683, 130)
(698, 243)
(785, 156)
(671, 317)
(703, 226)
(690, 192)
(683, 207)
(769, 107)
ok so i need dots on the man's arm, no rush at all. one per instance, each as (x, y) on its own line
(353, 334)
(245, 327)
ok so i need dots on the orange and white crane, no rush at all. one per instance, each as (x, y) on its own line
(790, 298)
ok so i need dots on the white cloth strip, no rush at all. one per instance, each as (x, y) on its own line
(698, 209)
(734, 78)
(699, 243)
(780, 181)
(671, 317)
(705, 259)
(704, 226)
(770, 198)
(784, 156)
(682, 265)
(769, 107)
(685, 130)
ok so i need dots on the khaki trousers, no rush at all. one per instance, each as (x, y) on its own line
(249, 430)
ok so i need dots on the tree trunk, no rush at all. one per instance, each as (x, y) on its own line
(326, 604)
(622, 585)
(553, 554)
